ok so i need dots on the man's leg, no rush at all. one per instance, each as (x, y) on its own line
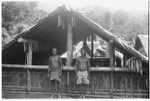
(52, 87)
(80, 89)
(86, 82)
(59, 88)
(85, 86)
(56, 86)
(79, 83)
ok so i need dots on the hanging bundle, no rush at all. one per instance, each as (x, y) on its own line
(60, 21)
(25, 44)
(73, 21)
(36, 45)
(134, 64)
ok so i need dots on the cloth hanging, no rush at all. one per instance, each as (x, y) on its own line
(134, 64)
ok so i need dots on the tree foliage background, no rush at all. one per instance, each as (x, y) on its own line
(18, 16)
(124, 24)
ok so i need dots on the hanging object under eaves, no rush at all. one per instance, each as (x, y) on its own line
(36, 45)
(61, 21)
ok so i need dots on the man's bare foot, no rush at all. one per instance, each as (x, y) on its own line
(52, 96)
(59, 96)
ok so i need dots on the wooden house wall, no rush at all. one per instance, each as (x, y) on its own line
(126, 85)
(14, 54)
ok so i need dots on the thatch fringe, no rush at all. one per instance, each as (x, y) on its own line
(36, 45)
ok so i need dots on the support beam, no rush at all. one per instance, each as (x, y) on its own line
(69, 47)
(112, 53)
(92, 48)
(124, 59)
(131, 84)
(66, 68)
(126, 84)
(69, 41)
(29, 62)
(138, 88)
(112, 64)
(30, 54)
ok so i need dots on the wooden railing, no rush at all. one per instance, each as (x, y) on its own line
(126, 83)
(96, 62)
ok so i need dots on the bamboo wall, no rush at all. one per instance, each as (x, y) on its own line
(126, 84)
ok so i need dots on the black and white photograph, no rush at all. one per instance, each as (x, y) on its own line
(75, 49)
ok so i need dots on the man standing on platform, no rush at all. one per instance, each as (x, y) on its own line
(55, 71)
(82, 71)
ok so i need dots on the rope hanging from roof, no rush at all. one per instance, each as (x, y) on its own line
(36, 45)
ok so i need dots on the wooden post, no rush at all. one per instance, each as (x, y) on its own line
(125, 85)
(131, 84)
(147, 82)
(92, 49)
(112, 62)
(30, 54)
(138, 89)
(69, 46)
(112, 54)
(124, 60)
(69, 41)
(29, 62)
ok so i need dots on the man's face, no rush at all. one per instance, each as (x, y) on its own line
(54, 51)
(83, 53)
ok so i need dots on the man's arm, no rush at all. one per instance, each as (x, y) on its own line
(49, 65)
(88, 66)
(61, 66)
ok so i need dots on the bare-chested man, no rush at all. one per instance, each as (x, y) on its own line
(55, 70)
(82, 70)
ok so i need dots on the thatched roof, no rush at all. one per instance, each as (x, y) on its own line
(141, 42)
(50, 33)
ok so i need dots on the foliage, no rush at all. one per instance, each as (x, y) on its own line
(107, 20)
(124, 24)
(18, 16)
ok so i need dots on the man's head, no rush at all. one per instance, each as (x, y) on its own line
(54, 51)
(83, 52)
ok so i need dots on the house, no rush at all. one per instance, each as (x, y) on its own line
(25, 60)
